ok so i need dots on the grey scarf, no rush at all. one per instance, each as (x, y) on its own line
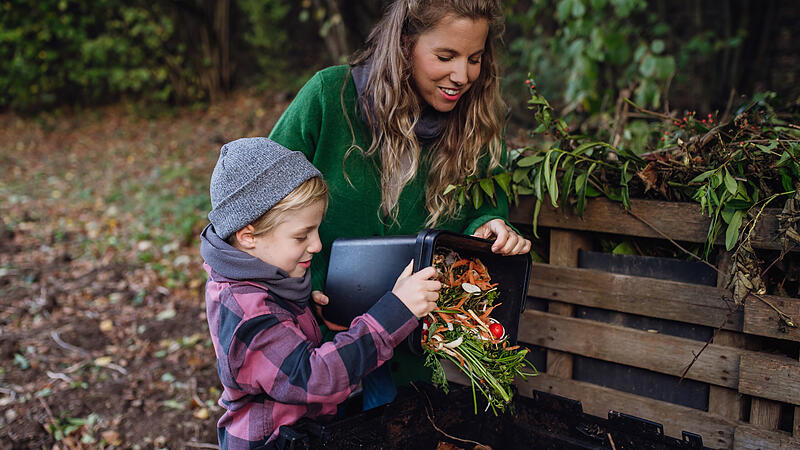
(238, 265)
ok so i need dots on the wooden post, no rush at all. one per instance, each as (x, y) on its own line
(796, 425)
(564, 246)
(723, 401)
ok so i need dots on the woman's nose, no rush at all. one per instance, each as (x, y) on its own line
(459, 73)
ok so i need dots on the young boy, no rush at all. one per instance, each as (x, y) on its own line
(267, 204)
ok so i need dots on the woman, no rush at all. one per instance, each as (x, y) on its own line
(417, 109)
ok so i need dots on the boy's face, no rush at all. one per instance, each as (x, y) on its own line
(290, 245)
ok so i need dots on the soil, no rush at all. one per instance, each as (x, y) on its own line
(104, 339)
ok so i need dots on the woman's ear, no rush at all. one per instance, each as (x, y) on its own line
(245, 238)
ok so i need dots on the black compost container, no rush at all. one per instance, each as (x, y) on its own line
(361, 270)
(545, 421)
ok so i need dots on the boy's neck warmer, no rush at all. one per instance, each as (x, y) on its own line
(237, 265)
(431, 122)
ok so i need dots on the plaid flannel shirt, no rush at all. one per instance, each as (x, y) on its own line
(272, 364)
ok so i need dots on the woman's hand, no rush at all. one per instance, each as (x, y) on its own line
(321, 300)
(507, 242)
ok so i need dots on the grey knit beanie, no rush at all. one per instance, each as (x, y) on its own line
(251, 176)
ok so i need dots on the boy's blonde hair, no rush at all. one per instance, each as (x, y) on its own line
(309, 192)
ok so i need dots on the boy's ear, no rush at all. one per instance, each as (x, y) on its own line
(245, 237)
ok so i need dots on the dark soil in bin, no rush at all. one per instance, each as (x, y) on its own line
(545, 422)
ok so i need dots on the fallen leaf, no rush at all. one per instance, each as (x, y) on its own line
(106, 326)
(111, 437)
(103, 361)
(201, 414)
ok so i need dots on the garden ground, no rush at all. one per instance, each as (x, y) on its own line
(104, 337)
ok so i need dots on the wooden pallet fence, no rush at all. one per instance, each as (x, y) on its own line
(753, 382)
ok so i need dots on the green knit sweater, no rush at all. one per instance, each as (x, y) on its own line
(315, 124)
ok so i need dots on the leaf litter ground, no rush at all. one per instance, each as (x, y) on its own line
(104, 337)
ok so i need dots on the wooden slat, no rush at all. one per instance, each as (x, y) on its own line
(691, 303)
(752, 438)
(670, 355)
(678, 220)
(717, 432)
(762, 320)
(771, 377)
(684, 302)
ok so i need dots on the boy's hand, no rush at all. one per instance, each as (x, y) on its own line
(418, 291)
(321, 300)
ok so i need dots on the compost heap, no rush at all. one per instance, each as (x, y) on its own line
(462, 331)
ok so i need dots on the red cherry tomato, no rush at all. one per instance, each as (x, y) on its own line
(497, 330)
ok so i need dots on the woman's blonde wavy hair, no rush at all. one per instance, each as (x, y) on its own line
(473, 128)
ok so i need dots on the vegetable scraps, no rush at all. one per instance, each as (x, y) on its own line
(462, 331)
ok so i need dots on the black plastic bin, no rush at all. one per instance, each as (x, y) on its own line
(361, 270)
(544, 421)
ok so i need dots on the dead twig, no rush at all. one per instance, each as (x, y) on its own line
(709, 341)
(611, 441)
(672, 240)
(428, 414)
(784, 318)
(647, 111)
(66, 346)
(200, 445)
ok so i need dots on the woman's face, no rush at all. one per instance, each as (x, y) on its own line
(447, 60)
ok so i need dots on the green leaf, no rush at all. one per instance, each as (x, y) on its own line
(546, 169)
(537, 100)
(477, 196)
(730, 182)
(537, 183)
(624, 248)
(648, 66)
(768, 148)
(487, 184)
(657, 46)
(716, 180)
(520, 174)
(529, 160)
(536, 208)
(566, 182)
(449, 188)
(462, 197)
(524, 190)
(785, 158)
(701, 177)
(665, 66)
(624, 178)
(732, 233)
(504, 181)
(582, 190)
(552, 187)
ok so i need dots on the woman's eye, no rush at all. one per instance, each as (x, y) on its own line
(301, 238)
(444, 58)
(475, 61)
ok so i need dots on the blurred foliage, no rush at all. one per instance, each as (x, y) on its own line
(591, 49)
(56, 51)
(590, 55)
(585, 53)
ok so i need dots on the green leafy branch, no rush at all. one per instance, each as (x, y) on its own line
(727, 168)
